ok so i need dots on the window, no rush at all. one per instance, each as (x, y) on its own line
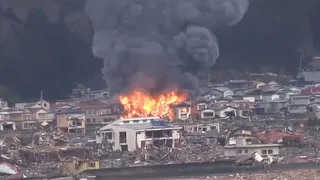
(42, 116)
(28, 125)
(239, 151)
(109, 135)
(108, 111)
(92, 164)
(88, 120)
(79, 123)
(89, 112)
(207, 114)
(144, 120)
(246, 151)
(27, 117)
(264, 151)
(94, 120)
(201, 107)
(125, 122)
(123, 137)
(135, 121)
(270, 151)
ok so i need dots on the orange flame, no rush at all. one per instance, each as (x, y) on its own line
(139, 104)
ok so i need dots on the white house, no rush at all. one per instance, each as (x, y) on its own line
(304, 99)
(241, 147)
(141, 133)
(98, 94)
(192, 127)
(269, 97)
(181, 111)
(225, 112)
(221, 92)
(39, 104)
(202, 106)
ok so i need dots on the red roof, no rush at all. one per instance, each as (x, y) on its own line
(274, 136)
(311, 90)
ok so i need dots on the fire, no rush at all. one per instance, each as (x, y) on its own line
(140, 104)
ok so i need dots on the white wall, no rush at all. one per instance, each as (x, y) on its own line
(300, 100)
(248, 98)
(269, 98)
(227, 93)
(230, 152)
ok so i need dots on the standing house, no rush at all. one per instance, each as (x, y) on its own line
(244, 147)
(201, 127)
(139, 133)
(181, 111)
(239, 92)
(71, 121)
(34, 117)
(226, 112)
(11, 118)
(304, 99)
(270, 96)
(201, 106)
(277, 106)
(39, 104)
(221, 92)
(238, 84)
(99, 113)
(98, 94)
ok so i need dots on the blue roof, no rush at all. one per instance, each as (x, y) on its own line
(161, 123)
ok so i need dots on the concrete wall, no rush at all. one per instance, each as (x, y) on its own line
(131, 138)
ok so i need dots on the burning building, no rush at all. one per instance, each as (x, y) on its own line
(151, 47)
(140, 104)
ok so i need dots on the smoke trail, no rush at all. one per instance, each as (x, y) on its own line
(154, 44)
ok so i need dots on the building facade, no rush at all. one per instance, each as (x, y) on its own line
(139, 133)
(71, 121)
(242, 147)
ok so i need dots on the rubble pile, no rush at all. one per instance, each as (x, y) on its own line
(42, 153)
(162, 155)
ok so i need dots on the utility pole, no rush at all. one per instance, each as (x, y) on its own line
(302, 50)
(41, 95)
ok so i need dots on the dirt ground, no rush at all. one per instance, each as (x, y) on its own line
(310, 174)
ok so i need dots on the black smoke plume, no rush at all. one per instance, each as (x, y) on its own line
(157, 44)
